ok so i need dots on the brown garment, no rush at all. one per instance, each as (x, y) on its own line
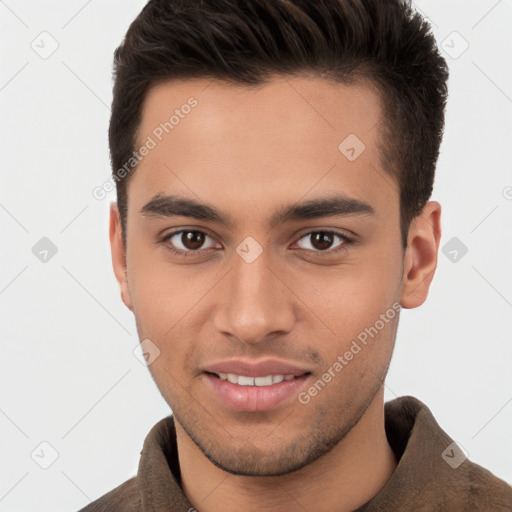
(432, 474)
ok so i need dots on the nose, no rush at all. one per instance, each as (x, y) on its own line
(256, 304)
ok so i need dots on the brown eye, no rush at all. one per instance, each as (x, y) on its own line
(187, 241)
(322, 241)
(192, 239)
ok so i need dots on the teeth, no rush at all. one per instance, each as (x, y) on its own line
(244, 380)
(232, 378)
(263, 381)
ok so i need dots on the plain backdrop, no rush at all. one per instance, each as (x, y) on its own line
(74, 396)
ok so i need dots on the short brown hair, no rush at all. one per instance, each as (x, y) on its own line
(248, 41)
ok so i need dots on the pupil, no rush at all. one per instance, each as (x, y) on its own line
(325, 240)
(193, 239)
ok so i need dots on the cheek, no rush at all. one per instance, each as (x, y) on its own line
(159, 290)
(155, 293)
(351, 296)
(169, 302)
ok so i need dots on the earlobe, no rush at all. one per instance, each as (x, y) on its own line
(420, 259)
(119, 255)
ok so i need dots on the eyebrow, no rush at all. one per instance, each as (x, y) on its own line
(163, 206)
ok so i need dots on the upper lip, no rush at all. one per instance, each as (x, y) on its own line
(255, 368)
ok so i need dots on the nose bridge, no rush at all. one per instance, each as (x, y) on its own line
(255, 305)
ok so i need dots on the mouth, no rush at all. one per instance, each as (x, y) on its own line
(247, 393)
(245, 380)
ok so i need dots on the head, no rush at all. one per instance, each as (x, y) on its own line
(313, 128)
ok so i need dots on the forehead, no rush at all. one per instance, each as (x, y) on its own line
(300, 102)
(289, 137)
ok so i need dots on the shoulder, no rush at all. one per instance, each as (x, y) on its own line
(434, 469)
(471, 488)
(123, 498)
(478, 486)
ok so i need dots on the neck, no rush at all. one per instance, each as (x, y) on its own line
(342, 480)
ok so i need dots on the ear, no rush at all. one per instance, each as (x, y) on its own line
(119, 254)
(420, 259)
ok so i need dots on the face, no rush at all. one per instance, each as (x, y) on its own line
(278, 258)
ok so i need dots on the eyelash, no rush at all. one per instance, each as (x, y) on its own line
(346, 242)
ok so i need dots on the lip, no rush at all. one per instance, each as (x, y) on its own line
(254, 398)
(256, 369)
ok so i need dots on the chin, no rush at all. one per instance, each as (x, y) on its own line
(256, 464)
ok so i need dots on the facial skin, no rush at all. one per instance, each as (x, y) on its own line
(249, 152)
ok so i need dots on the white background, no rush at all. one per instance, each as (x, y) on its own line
(68, 373)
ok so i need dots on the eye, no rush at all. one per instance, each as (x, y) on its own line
(191, 242)
(187, 241)
(321, 241)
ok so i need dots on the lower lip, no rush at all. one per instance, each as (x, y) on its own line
(254, 398)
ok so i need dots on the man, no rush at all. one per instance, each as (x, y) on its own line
(274, 162)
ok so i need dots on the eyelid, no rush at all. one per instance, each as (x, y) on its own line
(347, 240)
(168, 236)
